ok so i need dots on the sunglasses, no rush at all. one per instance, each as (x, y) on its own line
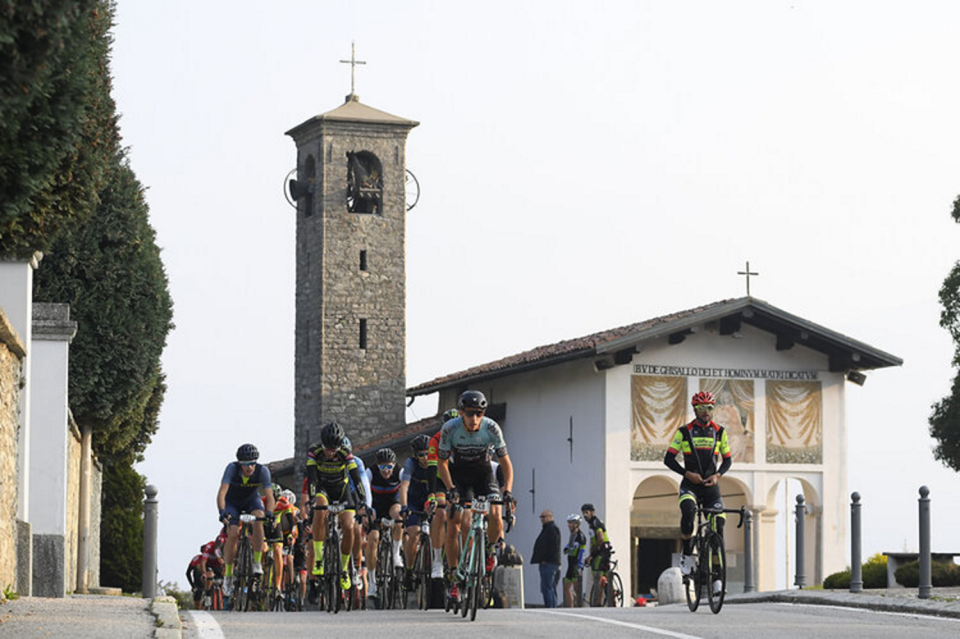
(706, 407)
(253, 463)
(473, 413)
(421, 455)
(386, 466)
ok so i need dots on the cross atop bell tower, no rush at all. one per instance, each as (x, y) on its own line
(350, 286)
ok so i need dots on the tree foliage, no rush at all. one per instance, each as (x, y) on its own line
(945, 419)
(121, 527)
(58, 123)
(110, 272)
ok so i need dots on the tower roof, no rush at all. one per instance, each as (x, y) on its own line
(352, 110)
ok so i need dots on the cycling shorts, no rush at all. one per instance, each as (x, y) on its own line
(416, 500)
(383, 503)
(573, 571)
(336, 495)
(473, 480)
(252, 504)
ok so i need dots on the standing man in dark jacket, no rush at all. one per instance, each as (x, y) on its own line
(546, 552)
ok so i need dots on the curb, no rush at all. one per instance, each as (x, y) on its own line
(903, 605)
(167, 618)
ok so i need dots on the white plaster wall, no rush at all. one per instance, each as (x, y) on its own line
(540, 405)
(48, 460)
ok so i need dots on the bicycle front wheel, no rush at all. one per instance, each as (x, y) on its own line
(616, 590)
(475, 591)
(421, 572)
(692, 583)
(717, 573)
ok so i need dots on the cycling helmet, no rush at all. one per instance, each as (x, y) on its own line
(420, 443)
(472, 399)
(453, 413)
(587, 507)
(332, 436)
(703, 397)
(347, 445)
(290, 496)
(248, 452)
(386, 456)
(574, 517)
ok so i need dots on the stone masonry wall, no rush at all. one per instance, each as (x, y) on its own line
(11, 356)
(73, 507)
(363, 389)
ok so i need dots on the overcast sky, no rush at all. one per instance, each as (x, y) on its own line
(582, 166)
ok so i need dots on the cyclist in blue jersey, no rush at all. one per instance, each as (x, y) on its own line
(363, 508)
(417, 493)
(468, 439)
(244, 482)
(385, 488)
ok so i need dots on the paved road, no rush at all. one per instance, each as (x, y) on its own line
(762, 620)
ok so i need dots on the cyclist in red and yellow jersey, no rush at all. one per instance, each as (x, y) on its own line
(701, 442)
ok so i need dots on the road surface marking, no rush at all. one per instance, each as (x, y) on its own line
(207, 626)
(658, 631)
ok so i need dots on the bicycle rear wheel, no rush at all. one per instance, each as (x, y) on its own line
(242, 574)
(692, 583)
(616, 590)
(717, 572)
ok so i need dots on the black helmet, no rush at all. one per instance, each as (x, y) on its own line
(420, 443)
(472, 399)
(347, 445)
(248, 452)
(588, 507)
(453, 413)
(332, 435)
(386, 456)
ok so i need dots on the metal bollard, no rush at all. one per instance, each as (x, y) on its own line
(149, 586)
(856, 565)
(748, 551)
(926, 585)
(801, 579)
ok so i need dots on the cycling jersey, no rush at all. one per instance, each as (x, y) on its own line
(471, 447)
(575, 550)
(243, 488)
(599, 544)
(362, 469)
(700, 445)
(385, 490)
(331, 476)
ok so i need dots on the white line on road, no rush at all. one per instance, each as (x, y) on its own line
(207, 627)
(658, 631)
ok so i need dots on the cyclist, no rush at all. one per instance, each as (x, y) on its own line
(700, 441)
(575, 550)
(329, 466)
(385, 490)
(204, 567)
(244, 482)
(285, 527)
(468, 438)
(417, 493)
(600, 548)
(438, 529)
(364, 504)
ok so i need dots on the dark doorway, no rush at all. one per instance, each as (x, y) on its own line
(653, 557)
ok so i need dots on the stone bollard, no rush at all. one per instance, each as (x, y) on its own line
(926, 585)
(748, 551)
(801, 579)
(670, 587)
(149, 586)
(856, 565)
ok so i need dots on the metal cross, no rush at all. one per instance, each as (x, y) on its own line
(353, 62)
(748, 274)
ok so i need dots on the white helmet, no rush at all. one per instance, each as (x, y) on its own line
(574, 517)
(291, 497)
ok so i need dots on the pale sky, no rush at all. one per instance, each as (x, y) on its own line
(582, 166)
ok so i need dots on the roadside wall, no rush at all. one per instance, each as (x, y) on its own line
(12, 353)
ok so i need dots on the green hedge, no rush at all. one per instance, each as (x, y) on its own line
(874, 573)
(942, 573)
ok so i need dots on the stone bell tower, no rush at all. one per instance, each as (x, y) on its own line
(351, 295)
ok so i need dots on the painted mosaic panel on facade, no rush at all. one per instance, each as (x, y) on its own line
(794, 422)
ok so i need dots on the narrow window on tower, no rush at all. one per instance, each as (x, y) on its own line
(363, 260)
(363, 334)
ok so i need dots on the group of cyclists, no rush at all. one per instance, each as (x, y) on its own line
(441, 479)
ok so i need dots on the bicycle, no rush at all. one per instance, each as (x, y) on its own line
(331, 591)
(472, 568)
(213, 595)
(389, 575)
(246, 587)
(607, 589)
(423, 560)
(709, 560)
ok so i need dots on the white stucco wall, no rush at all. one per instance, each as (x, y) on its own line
(48, 463)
